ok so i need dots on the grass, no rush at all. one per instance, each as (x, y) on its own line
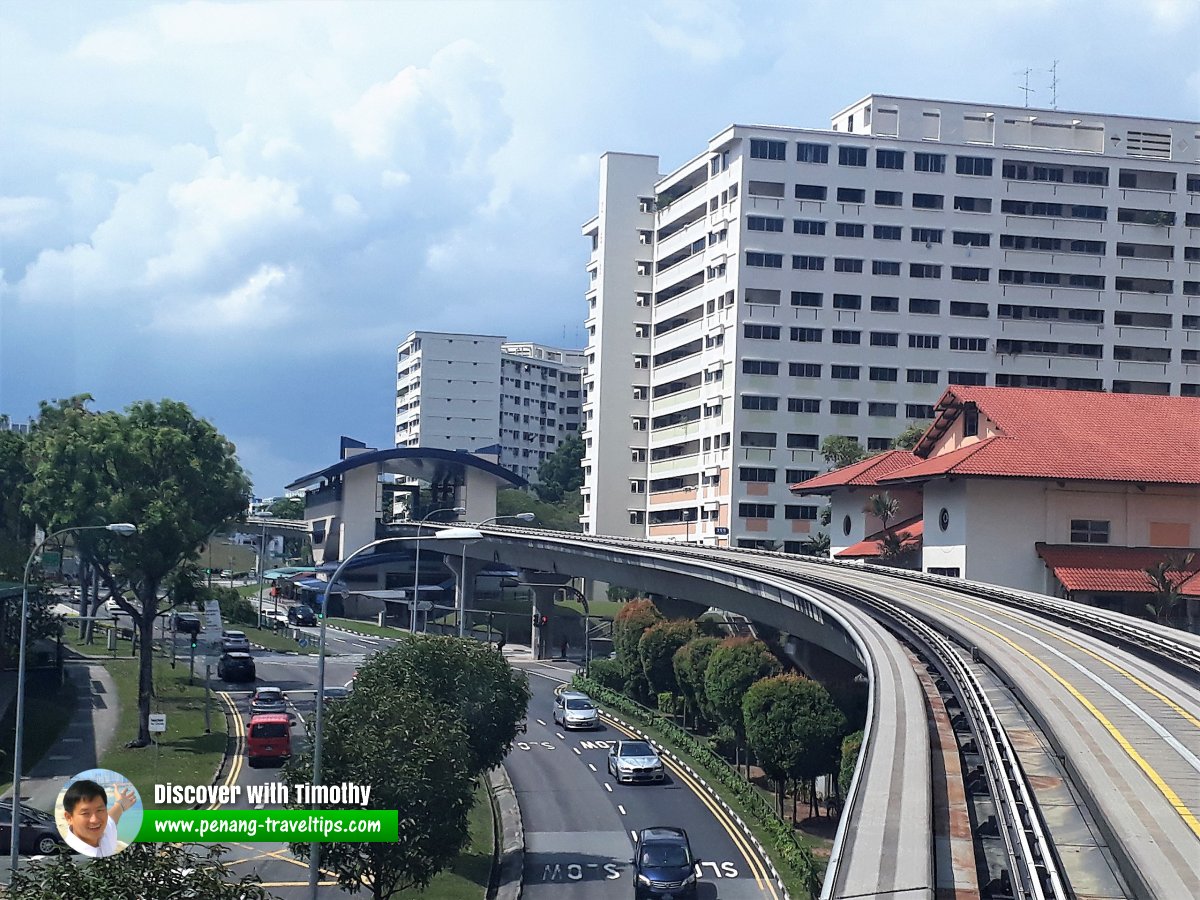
(186, 754)
(277, 640)
(46, 715)
(467, 879)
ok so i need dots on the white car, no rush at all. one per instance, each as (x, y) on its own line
(630, 761)
(575, 710)
(235, 642)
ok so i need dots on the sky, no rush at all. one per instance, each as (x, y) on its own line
(247, 206)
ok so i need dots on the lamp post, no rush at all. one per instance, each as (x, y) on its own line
(452, 534)
(687, 513)
(262, 558)
(121, 528)
(412, 609)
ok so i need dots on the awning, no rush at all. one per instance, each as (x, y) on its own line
(1113, 570)
(316, 584)
(870, 547)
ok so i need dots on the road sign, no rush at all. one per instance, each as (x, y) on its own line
(424, 605)
(158, 723)
(720, 529)
(303, 642)
(212, 631)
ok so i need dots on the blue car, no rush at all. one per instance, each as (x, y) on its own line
(663, 865)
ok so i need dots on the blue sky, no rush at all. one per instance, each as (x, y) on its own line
(246, 207)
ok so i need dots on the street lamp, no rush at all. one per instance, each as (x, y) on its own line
(122, 528)
(466, 535)
(687, 514)
(520, 517)
(412, 609)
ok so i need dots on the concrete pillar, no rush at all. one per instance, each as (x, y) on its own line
(474, 566)
(547, 640)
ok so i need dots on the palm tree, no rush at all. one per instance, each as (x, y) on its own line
(1166, 590)
(817, 545)
(884, 507)
(895, 547)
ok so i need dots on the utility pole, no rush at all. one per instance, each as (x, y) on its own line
(1026, 88)
(1054, 85)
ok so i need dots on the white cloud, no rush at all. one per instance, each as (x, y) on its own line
(706, 31)
(19, 214)
(249, 306)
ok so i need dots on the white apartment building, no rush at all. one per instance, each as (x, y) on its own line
(789, 284)
(481, 393)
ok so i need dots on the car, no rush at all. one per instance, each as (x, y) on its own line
(575, 710)
(336, 694)
(235, 642)
(189, 623)
(39, 833)
(633, 761)
(227, 573)
(301, 614)
(663, 865)
(268, 700)
(268, 736)
(236, 667)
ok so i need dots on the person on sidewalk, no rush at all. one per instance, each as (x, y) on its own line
(91, 825)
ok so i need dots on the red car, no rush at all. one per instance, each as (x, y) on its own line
(269, 736)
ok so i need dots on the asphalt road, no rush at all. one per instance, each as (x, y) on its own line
(579, 822)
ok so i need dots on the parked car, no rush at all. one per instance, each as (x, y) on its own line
(189, 623)
(235, 642)
(268, 700)
(663, 865)
(236, 667)
(39, 833)
(268, 737)
(575, 710)
(301, 614)
(631, 761)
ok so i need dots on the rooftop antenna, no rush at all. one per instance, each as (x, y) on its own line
(1054, 85)
(1027, 89)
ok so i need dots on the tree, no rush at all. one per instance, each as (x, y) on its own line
(896, 548)
(157, 466)
(884, 507)
(817, 545)
(561, 472)
(16, 530)
(840, 451)
(1166, 594)
(851, 745)
(287, 508)
(735, 664)
(467, 681)
(159, 871)
(561, 516)
(909, 437)
(633, 619)
(690, 662)
(656, 651)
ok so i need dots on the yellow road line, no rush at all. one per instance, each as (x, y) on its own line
(239, 741)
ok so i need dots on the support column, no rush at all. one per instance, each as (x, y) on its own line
(546, 639)
(474, 566)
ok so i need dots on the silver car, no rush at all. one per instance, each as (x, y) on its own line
(235, 642)
(268, 700)
(631, 761)
(575, 710)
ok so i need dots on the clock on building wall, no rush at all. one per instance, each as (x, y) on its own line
(944, 519)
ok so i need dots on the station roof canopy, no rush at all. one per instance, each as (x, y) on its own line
(424, 463)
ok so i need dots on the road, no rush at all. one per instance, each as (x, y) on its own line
(579, 822)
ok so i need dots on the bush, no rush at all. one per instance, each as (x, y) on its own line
(638, 688)
(666, 703)
(850, 747)
(607, 673)
(235, 609)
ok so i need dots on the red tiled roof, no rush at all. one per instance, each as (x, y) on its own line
(1191, 586)
(1078, 435)
(1112, 569)
(866, 472)
(871, 546)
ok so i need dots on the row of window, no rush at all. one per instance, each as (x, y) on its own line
(836, 407)
(811, 335)
(841, 372)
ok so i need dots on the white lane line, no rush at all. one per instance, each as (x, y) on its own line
(608, 787)
(633, 834)
(561, 736)
(576, 749)
(541, 721)
(622, 809)
(260, 806)
(590, 766)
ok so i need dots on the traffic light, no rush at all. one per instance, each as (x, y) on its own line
(540, 621)
(193, 643)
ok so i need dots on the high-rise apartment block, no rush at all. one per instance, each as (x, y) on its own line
(478, 392)
(790, 284)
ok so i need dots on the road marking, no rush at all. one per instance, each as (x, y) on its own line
(590, 766)
(541, 722)
(608, 787)
(577, 752)
(561, 736)
(71, 740)
(622, 809)
(58, 757)
(633, 834)
(239, 739)
(260, 806)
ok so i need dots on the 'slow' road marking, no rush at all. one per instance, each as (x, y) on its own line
(577, 753)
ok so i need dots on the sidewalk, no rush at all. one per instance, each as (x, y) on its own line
(86, 737)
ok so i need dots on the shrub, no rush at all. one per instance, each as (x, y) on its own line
(607, 673)
(656, 650)
(633, 619)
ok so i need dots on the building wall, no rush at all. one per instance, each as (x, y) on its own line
(540, 403)
(946, 549)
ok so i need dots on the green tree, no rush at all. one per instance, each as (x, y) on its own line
(884, 507)
(287, 508)
(908, 438)
(851, 745)
(735, 664)
(840, 451)
(561, 472)
(145, 871)
(633, 619)
(562, 516)
(16, 529)
(157, 466)
(690, 663)
(896, 549)
(656, 651)
(1166, 594)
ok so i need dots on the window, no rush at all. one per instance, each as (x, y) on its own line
(847, 301)
(889, 198)
(803, 405)
(975, 344)
(889, 159)
(970, 273)
(975, 378)
(918, 411)
(759, 367)
(924, 270)
(763, 296)
(764, 189)
(928, 201)
(929, 162)
(802, 441)
(756, 475)
(754, 401)
(795, 476)
(972, 239)
(852, 156)
(844, 373)
(807, 298)
(1047, 173)
(926, 235)
(764, 149)
(809, 263)
(849, 229)
(1090, 176)
(758, 438)
(843, 407)
(807, 335)
(881, 409)
(924, 341)
(922, 376)
(756, 510)
(851, 195)
(811, 192)
(1089, 531)
(762, 223)
(807, 226)
(842, 264)
(971, 310)
(878, 444)
(812, 153)
(884, 267)
(887, 232)
(973, 165)
(807, 513)
(885, 304)
(844, 336)
(885, 339)
(973, 204)
(884, 373)
(970, 420)
(764, 260)
(804, 370)
(760, 332)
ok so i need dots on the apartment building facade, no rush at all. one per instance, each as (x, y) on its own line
(482, 393)
(790, 284)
